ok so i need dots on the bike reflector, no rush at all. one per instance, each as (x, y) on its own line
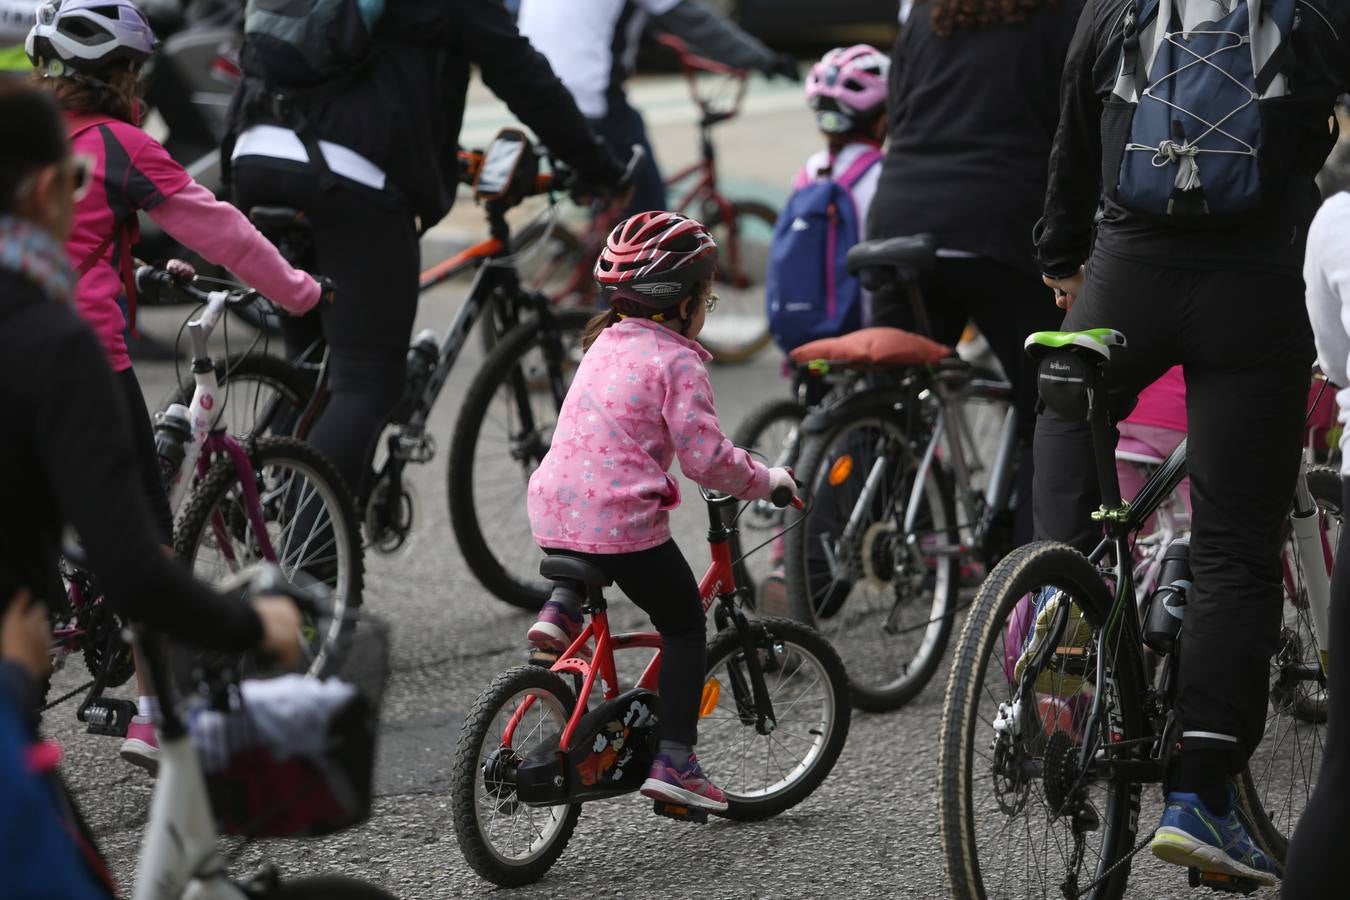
(841, 469)
(712, 692)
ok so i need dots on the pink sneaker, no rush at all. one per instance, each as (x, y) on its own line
(556, 628)
(683, 787)
(141, 748)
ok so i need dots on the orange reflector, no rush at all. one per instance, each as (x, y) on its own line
(842, 468)
(712, 692)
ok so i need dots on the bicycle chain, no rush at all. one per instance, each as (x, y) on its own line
(1111, 871)
(64, 697)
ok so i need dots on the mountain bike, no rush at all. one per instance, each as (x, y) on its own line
(536, 744)
(743, 228)
(1047, 742)
(179, 854)
(506, 422)
(270, 499)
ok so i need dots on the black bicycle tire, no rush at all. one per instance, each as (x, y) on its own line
(1016, 574)
(460, 476)
(465, 771)
(222, 476)
(747, 435)
(728, 642)
(732, 354)
(892, 696)
(272, 370)
(323, 887)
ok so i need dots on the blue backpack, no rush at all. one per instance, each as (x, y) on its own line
(1184, 135)
(809, 291)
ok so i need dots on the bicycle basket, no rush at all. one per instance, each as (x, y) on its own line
(296, 756)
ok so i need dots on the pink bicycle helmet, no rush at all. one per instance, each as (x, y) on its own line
(88, 36)
(847, 88)
(652, 261)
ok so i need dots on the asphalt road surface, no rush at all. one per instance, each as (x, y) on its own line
(871, 829)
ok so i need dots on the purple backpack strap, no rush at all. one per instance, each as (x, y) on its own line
(865, 161)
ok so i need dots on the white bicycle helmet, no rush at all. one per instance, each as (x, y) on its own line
(88, 35)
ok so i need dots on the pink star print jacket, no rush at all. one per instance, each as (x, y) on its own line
(640, 398)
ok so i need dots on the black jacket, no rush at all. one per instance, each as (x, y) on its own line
(67, 457)
(971, 120)
(404, 109)
(1319, 70)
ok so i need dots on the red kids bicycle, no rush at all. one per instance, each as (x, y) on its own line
(773, 719)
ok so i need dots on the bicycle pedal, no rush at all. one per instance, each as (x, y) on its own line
(680, 813)
(543, 658)
(108, 717)
(1223, 882)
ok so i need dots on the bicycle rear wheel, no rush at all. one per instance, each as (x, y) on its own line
(504, 429)
(739, 328)
(885, 595)
(309, 518)
(1018, 818)
(504, 840)
(764, 774)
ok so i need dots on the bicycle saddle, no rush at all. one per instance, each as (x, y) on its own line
(572, 568)
(1098, 341)
(269, 219)
(908, 252)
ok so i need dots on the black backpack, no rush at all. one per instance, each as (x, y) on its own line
(306, 43)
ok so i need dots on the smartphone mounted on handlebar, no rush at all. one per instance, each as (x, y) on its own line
(510, 167)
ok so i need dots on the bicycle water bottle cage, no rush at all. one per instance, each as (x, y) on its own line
(899, 260)
(1071, 365)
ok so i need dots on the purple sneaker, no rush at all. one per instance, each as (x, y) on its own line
(683, 787)
(556, 628)
(140, 747)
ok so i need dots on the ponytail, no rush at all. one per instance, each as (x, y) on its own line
(597, 324)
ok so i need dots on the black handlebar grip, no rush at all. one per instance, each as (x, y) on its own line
(782, 496)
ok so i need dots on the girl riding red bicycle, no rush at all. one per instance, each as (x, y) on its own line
(640, 399)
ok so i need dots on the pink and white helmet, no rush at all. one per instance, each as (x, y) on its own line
(847, 88)
(88, 36)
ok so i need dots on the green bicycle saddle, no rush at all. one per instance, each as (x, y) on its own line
(1098, 340)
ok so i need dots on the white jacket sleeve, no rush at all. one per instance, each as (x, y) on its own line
(1326, 274)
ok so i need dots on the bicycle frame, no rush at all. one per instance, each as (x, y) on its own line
(717, 585)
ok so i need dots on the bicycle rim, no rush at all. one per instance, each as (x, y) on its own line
(885, 599)
(1019, 817)
(1282, 771)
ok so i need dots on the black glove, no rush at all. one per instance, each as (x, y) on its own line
(784, 65)
(327, 289)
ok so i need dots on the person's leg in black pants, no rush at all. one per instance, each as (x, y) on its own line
(1315, 866)
(622, 128)
(1247, 352)
(368, 245)
(147, 458)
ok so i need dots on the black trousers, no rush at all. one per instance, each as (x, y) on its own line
(1006, 304)
(147, 460)
(661, 583)
(367, 243)
(1244, 342)
(1315, 867)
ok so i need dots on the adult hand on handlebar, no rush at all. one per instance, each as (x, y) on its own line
(281, 628)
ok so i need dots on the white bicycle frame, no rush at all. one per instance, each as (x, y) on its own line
(205, 409)
(1315, 556)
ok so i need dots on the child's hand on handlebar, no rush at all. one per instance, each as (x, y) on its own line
(181, 269)
(782, 486)
(281, 628)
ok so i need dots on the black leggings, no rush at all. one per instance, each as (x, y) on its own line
(661, 583)
(367, 243)
(143, 442)
(1244, 342)
(1315, 867)
(1006, 304)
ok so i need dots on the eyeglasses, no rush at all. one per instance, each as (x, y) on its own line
(711, 303)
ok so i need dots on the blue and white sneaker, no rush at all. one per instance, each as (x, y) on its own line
(1192, 836)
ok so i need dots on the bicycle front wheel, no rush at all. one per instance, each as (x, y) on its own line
(739, 328)
(766, 773)
(1018, 818)
(505, 427)
(308, 518)
(263, 394)
(882, 589)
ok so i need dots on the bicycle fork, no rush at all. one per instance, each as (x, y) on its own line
(752, 701)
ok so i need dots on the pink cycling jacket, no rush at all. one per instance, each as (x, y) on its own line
(131, 171)
(640, 398)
